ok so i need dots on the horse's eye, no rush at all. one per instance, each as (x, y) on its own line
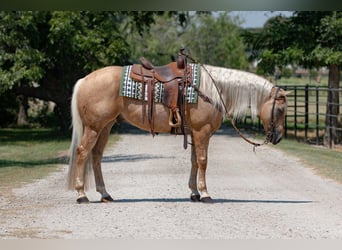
(281, 99)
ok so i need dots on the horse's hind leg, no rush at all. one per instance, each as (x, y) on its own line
(88, 141)
(97, 156)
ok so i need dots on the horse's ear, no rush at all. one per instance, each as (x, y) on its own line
(286, 92)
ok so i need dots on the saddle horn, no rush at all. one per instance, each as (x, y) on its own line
(146, 64)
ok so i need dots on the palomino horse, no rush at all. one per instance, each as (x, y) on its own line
(96, 105)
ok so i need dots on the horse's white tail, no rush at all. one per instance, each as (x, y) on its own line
(77, 133)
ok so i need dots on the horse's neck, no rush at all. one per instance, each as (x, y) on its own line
(242, 92)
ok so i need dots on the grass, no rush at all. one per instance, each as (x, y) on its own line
(325, 162)
(31, 147)
(302, 81)
(28, 154)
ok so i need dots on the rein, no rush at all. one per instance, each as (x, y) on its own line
(238, 131)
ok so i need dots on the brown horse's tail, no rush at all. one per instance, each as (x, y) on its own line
(77, 133)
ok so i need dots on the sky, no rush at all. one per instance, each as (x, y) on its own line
(256, 19)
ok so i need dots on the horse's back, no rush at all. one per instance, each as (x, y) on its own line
(105, 70)
(102, 80)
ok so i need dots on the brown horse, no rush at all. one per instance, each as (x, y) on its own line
(97, 105)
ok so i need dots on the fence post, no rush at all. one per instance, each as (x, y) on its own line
(285, 88)
(306, 125)
(295, 112)
(317, 116)
(330, 117)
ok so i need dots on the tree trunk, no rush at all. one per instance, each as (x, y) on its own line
(62, 110)
(331, 135)
(22, 113)
(61, 97)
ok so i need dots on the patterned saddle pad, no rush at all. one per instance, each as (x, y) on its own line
(133, 89)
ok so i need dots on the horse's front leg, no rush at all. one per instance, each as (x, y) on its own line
(200, 140)
(195, 195)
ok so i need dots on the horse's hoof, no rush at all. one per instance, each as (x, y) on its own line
(195, 197)
(207, 200)
(82, 200)
(107, 199)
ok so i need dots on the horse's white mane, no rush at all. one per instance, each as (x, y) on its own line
(241, 91)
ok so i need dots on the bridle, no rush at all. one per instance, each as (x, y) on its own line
(271, 127)
(271, 130)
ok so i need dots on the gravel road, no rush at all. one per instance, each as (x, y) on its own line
(262, 195)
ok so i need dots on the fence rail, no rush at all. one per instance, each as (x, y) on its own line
(307, 116)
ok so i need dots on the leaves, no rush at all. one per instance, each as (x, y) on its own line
(20, 60)
(308, 38)
(43, 53)
(331, 31)
(327, 55)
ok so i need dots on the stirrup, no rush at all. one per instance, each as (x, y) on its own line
(178, 118)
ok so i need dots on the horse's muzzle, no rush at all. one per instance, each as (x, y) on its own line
(276, 137)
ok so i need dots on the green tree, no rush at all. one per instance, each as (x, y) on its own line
(162, 40)
(210, 39)
(217, 41)
(20, 60)
(43, 53)
(310, 39)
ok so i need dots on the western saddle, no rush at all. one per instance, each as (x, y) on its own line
(175, 77)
